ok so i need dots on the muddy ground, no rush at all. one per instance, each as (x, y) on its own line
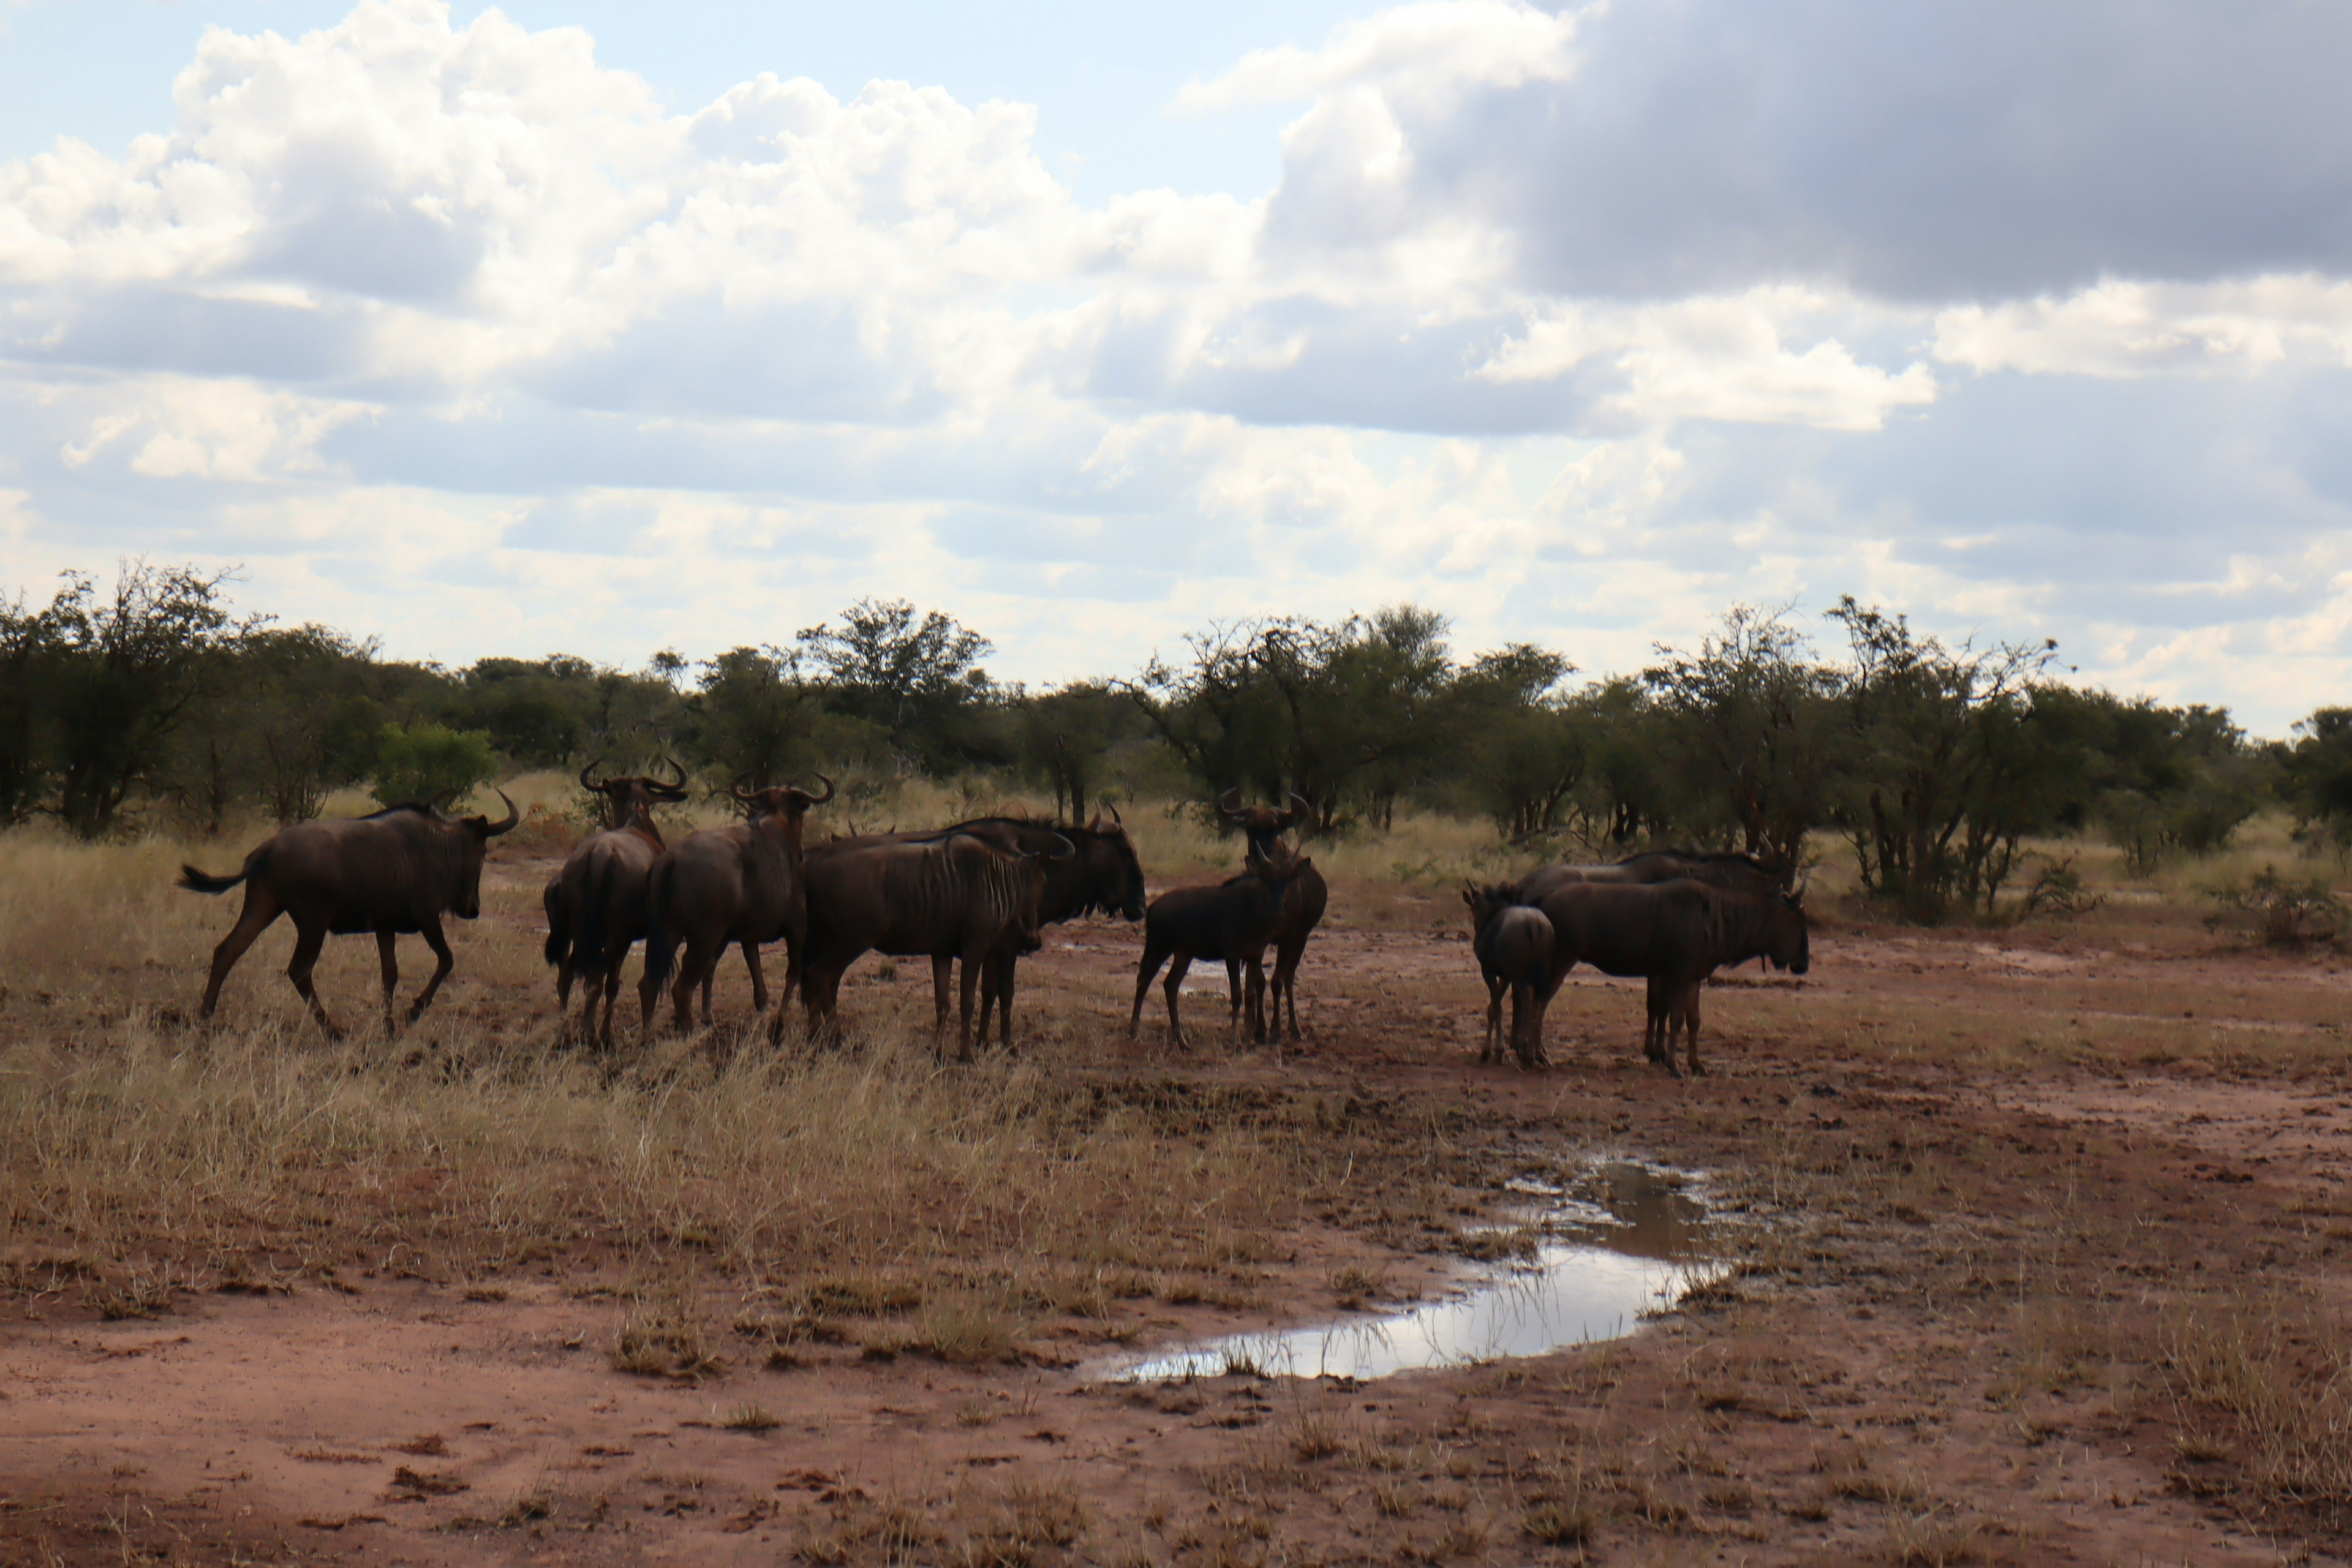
(2038, 1236)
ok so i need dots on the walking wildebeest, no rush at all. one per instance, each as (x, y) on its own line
(1674, 934)
(1234, 920)
(596, 904)
(723, 885)
(393, 872)
(1513, 943)
(1303, 904)
(946, 895)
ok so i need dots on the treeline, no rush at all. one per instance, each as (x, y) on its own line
(149, 697)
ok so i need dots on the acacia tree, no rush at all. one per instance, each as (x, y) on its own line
(914, 677)
(1754, 724)
(1523, 744)
(129, 664)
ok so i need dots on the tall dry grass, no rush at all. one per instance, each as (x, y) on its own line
(147, 1146)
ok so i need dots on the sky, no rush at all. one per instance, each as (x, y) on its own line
(604, 329)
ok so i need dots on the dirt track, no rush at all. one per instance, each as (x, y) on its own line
(1992, 1183)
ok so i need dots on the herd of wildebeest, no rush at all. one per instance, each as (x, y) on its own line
(980, 892)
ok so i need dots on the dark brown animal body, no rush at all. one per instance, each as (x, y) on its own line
(394, 873)
(1304, 903)
(1513, 943)
(948, 895)
(722, 887)
(1234, 921)
(1089, 870)
(1740, 873)
(596, 904)
(1674, 934)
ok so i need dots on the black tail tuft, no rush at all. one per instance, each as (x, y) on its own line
(197, 881)
(659, 958)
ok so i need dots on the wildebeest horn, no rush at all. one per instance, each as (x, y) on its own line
(677, 769)
(1066, 850)
(817, 799)
(513, 816)
(1112, 806)
(736, 789)
(1299, 807)
(587, 775)
(1236, 792)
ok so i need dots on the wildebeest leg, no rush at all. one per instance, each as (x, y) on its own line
(758, 986)
(1177, 962)
(697, 968)
(389, 961)
(1659, 1003)
(975, 960)
(1286, 984)
(1492, 1049)
(1238, 1000)
(1690, 1025)
(1145, 968)
(942, 981)
(1527, 1026)
(260, 911)
(604, 1036)
(999, 981)
(649, 993)
(443, 963)
(710, 980)
(307, 940)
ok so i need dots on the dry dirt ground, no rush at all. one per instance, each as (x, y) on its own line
(2039, 1240)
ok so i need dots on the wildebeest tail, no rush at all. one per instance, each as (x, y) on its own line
(558, 929)
(588, 929)
(197, 881)
(658, 956)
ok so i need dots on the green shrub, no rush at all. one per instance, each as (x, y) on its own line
(419, 762)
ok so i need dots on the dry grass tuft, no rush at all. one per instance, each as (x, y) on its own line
(2281, 1378)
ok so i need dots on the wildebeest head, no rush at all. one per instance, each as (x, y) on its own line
(628, 795)
(1260, 824)
(473, 841)
(1277, 864)
(782, 802)
(1788, 942)
(1114, 873)
(1487, 902)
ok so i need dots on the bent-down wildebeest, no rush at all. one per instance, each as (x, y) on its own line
(1234, 920)
(394, 872)
(946, 895)
(738, 884)
(1674, 934)
(1722, 868)
(1513, 943)
(1303, 904)
(1102, 876)
(596, 904)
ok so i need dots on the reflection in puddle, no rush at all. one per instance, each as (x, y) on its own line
(1601, 1265)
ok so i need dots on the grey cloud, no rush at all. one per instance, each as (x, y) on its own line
(1919, 152)
(148, 328)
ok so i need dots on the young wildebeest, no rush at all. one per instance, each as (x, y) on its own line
(1302, 906)
(1234, 920)
(722, 886)
(1674, 934)
(596, 904)
(394, 872)
(946, 895)
(1513, 943)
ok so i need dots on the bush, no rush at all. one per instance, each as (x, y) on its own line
(419, 762)
(2280, 913)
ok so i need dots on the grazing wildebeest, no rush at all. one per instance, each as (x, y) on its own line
(395, 871)
(596, 904)
(1303, 905)
(1513, 943)
(1740, 873)
(1674, 934)
(946, 895)
(1234, 920)
(723, 885)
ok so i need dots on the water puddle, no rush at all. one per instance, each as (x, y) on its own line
(1629, 1243)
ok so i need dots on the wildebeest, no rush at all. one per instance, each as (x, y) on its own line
(1674, 934)
(1102, 876)
(1513, 943)
(393, 872)
(596, 904)
(1233, 921)
(947, 896)
(1740, 873)
(738, 884)
(1303, 904)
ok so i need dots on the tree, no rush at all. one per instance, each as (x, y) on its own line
(1524, 749)
(127, 664)
(1754, 724)
(755, 713)
(914, 677)
(423, 762)
(27, 649)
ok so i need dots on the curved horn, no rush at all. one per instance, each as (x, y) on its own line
(1299, 807)
(676, 767)
(736, 788)
(1112, 806)
(818, 799)
(587, 775)
(513, 816)
(1233, 810)
(1066, 850)
(438, 799)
